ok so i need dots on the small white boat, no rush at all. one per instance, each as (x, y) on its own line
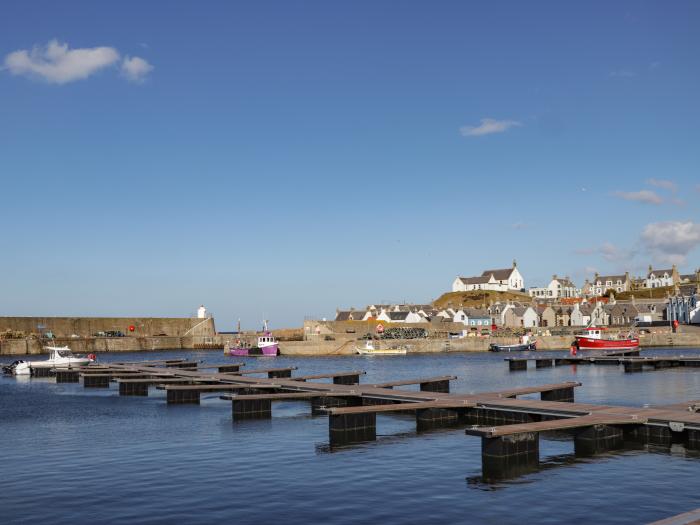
(369, 349)
(60, 357)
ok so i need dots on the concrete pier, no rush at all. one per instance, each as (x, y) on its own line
(561, 394)
(432, 418)
(597, 438)
(517, 364)
(67, 376)
(501, 455)
(436, 386)
(345, 429)
(96, 380)
(251, 409)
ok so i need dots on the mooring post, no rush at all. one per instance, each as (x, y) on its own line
(274, 374)
(633, 366)
(597, 438)
(692, 438)
(430, 418)
(183, 397)
(251, 409)
(67, 376)
(500, 456)
(649, 434)
(436, 386)
(346, 380)
(133, 389)
(96, 380)
(517, 364)
(560, 394)
(344, 429)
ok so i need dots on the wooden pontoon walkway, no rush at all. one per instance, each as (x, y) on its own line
(509, 426)
(630, 359)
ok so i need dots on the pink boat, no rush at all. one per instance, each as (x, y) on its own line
(267, 346)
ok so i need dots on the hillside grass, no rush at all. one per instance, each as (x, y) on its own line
(645, 293)
(477, 298)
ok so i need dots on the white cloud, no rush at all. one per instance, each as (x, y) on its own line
(609, 252)
(488, 126)
(136, 68)
(663, 183)
(57, 64)
(671, 242)
(640, 196)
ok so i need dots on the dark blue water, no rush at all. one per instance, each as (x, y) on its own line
(72, 455)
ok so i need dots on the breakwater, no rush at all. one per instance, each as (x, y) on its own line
(86, 327)
(688, 337)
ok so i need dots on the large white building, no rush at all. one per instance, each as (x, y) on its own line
(661, 278)
(558, 287)
(503, 280)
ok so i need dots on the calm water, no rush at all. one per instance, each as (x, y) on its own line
(73, 455)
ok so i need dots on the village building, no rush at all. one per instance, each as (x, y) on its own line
(546, 315)
(520, 316)
(662, 278)
(599, 315)
(351, 315)
(602, 283)
(562, 315)
(558, 287)
(577, 317)
(622, 314)
(503, 280)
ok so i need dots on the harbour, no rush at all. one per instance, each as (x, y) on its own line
(293, 433)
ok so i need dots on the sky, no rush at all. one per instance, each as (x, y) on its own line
(281, 159)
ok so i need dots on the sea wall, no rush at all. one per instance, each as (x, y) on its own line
(341, 345)
(89, 326)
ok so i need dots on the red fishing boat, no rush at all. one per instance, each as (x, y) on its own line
(594, 339)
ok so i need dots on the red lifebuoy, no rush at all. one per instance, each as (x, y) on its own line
(92, 357)
(131, 328)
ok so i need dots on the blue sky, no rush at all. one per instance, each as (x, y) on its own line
(285, 158)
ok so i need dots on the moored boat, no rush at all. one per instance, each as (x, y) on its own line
(60, 358)
(526, 347)
(370, 349)
(267, 346)
(523, 346)
(593, 338)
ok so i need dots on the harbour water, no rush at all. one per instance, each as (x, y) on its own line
(75, 455)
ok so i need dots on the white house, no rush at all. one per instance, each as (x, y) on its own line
(498, 280)
(661, 278)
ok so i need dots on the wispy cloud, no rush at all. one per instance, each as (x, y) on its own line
(663, 183)
(671, 242)
(519, 225)
(655, 65)
(56, 63)
(136, 68)
(667, 242)
(646, 196)
(488, 126)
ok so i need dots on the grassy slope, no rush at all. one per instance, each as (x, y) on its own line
(477, 298)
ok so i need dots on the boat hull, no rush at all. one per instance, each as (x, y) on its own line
(396, 351)
(526, 347)
(269, 351)
(587, 343)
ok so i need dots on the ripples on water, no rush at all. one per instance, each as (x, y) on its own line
(74, 456)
